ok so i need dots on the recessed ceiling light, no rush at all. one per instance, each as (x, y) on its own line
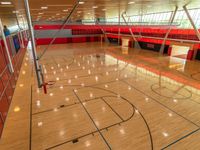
(15, 12)
(65, 10)
(5, 3)
(104, 9)
(94, 7)
(131, 3)
(58, 14)
(44, 7)
(81, 2)
(40, 13)
(79, 11)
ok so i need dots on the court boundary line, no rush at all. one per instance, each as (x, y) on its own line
(188, 97)
(30, 136)
(160, 103)
(104, 139)
(180, 139)
(119, 123)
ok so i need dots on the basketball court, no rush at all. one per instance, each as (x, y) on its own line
(107, 102)
(99, 75)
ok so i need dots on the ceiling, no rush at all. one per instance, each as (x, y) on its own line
(53, 10)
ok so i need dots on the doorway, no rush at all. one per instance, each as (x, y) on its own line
(180, 51)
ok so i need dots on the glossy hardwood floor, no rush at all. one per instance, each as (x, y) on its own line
(104, 97)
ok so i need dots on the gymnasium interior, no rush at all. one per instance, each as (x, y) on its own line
(99, 75)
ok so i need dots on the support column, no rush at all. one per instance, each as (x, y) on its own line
(33, 47)
(167, 34)
(20, 33)
(191, 52)
(6, 48)
(192, 22)
(133, 36)
(119, 29)
(119, 39)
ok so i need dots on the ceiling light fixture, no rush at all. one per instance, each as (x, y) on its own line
(15, 12)
(81, 2)
(5, 3)
(44, 7)
(65, 10)
(94, 7)
(131, 3)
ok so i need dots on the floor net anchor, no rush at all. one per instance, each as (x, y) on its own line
(75, 141)
(44, 85)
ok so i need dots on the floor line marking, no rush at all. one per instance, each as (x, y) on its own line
(93, 122)
(178, 140)
(30, 137)
(160, 103)
(112, 109)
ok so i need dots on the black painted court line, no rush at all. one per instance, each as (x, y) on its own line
(189, 97)
(87, 86)
(160, 103)
(173, 92)
(134, 108)
(133, 113)
(112, 109)
(30, 137)
(64, 106)
(180, 99)
(155, 100)
(102, 74)
(80, 68)
(147, 125)
(32, 70)
(181, 95)
(51, 109)
(176, 141)
(55, 86)
(92, 133)
(93, 121)
(85, 76)
(194, 74)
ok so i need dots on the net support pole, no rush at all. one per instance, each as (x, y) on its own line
(33, 47)
(191, 21)
(133, 36)
(62, 27)
(6, 48)
(168, 31)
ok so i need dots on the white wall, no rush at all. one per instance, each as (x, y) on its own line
(179, 50)
(125, 42)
